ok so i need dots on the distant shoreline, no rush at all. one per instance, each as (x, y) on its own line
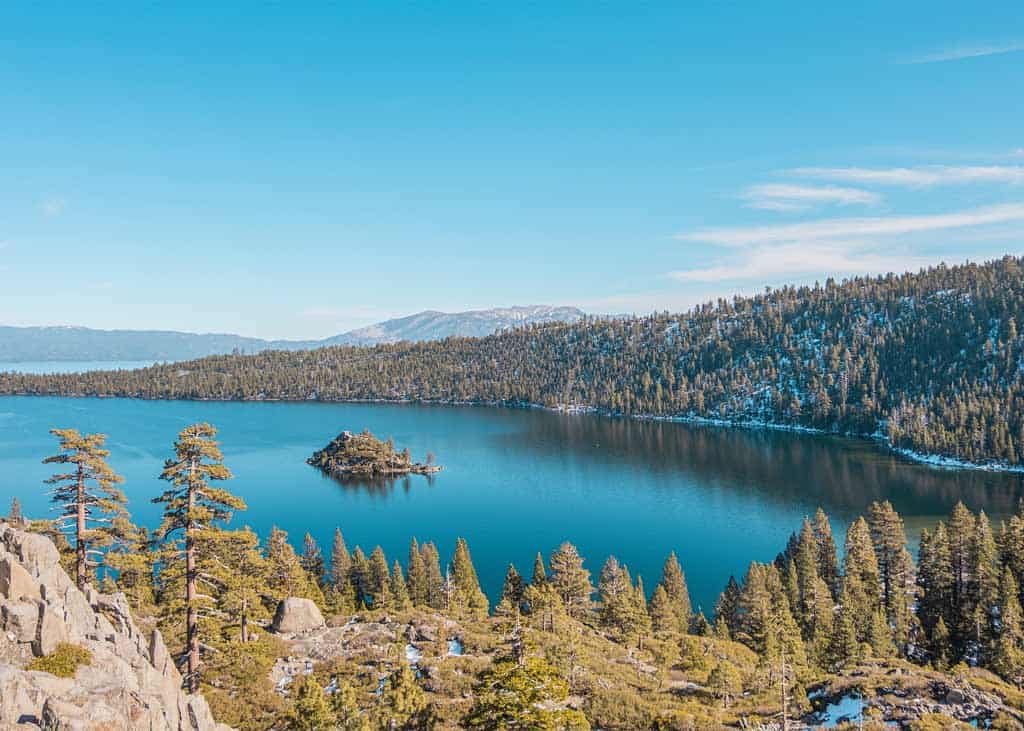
(937, 461)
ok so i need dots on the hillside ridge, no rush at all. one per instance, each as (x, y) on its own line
(75, 343)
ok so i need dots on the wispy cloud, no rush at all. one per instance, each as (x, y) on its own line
(52, 207)
(922, 176)
(783, 197)
(960, 52)
(797, 259)
(836, 228)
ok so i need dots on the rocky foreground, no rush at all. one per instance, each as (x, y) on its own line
(129, 681)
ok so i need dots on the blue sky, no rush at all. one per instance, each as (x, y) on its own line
(294, 170)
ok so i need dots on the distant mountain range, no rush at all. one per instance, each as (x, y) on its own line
(25, 344)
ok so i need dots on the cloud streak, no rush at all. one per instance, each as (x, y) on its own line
(961, 52)
(855, 227)
(784, 197)
(803, 258)
(923, 176)
(52, 207)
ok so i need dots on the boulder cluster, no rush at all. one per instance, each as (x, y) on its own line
(130, 680)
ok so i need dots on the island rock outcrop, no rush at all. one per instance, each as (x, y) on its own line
(364, 455)
(129, 681)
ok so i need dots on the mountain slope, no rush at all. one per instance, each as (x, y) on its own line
(21, 344)
(433, 325)
(932, 361)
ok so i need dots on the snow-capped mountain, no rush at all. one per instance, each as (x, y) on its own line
(24, 344)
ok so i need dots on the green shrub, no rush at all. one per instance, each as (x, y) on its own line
(63, 661)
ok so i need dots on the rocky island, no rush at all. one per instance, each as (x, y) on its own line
(364, 455)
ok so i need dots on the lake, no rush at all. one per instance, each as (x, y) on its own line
(515, 481)
(73, 366)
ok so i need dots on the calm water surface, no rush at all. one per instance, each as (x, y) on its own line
(74, 366)
(515, 481)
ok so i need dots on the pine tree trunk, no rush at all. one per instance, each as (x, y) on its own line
(190, 589)
(81, 568)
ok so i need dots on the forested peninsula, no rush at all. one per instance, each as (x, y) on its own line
(930, 361)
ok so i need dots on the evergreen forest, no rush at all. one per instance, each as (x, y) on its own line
(931, 362)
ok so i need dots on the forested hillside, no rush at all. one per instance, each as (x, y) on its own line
(932, 360)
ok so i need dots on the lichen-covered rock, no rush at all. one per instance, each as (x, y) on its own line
(295, 614)
(131, 681)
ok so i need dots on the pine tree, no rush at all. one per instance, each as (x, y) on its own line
(934, 580)
(512, 695)
(419, 592)
(512, 590)
(828, 563)
(340, 595)
(985, 579)
(345, 706)
(961, 527)
(880, 636)
(843, 648)
(766, 625)
(467, 593)
(804, 570)
(133, 559)
(940, 645)
(14, 515)
(570, 579)
(700, 626)
(341, 561)
(725, 681)
(311, 710)
(238, 578)
(727, 608)
(674, 583)
(399, 589)
(664, 620)
(1008, 656)
(404, 705)
(895, 566)
(540, 575)
(434, 579)
(359, 576)
(641, 620)
(616, 593)
(87, 496)
(861, 580)
(379, 589)
(285, 573)
(1011, 542)
(196, 509)
(312, 561)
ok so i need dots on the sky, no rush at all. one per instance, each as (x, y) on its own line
(294, 170)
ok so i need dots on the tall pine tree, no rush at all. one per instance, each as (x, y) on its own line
(87, 496)
(195, 509)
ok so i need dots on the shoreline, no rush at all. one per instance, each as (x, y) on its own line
(936, 461)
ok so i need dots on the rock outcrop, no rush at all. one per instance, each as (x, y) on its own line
(296, 615)
(130, 682)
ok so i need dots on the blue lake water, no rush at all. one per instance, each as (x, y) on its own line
(73, 366)
(515, 481)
